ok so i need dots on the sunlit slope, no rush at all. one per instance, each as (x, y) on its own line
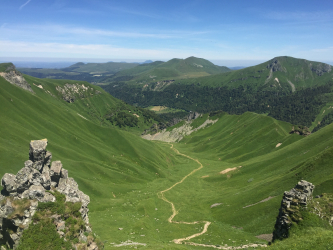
(173, 69)
(94, 104)
(282, 73)
(247, 144)
(85, 147)
(106, 162)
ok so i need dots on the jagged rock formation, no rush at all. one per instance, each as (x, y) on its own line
(14, 77)
(36, 182)
(275, 65)
(291, 204)
(70, 92)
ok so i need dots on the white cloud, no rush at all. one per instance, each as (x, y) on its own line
(42, 31)
(23, 5)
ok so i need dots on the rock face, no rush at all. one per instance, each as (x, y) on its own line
(16, 78)
(289, 211)
(275, 65)
(35, 183)
(71, 92)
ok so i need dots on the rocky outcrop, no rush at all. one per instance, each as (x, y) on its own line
(320, 68)
(71, 92)
(289, 212)
(36, 182)
(177, 134)
(14, 77)
(300, 130)
(275, 65)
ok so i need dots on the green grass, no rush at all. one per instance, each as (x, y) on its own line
(123, 173)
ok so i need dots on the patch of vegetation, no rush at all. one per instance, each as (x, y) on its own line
(199, 121)
(43, 235)
(300, 107)
(179, 124)
(19, 205)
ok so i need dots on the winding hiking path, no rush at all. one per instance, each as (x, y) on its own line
(206, 223)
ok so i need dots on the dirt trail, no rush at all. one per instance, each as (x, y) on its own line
(207, 223)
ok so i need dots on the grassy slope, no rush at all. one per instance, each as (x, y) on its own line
(94, 108)
(107, 163)
(298, 71)
(250, 141)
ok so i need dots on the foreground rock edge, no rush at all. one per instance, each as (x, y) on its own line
(37, 183)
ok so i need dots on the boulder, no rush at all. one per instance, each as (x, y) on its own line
(32, 182)
(48, 158)
(291, 202)
(55, 170)
(34, 192)
(35, 178)
(28, 163)
(8, 183)
(22, 178)
(64, 173)
(46, 180)
(37, 150)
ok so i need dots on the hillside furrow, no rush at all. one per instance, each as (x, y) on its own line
(206, 223)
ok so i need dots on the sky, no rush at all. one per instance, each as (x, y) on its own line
(231, 33)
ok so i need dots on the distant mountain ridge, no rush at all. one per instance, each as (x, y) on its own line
(191, 67)
(282, 73)
(289, 89)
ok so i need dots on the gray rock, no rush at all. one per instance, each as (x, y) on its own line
(8, 183)
(38, 165)
(64, 173)
(37, 150)
(22, 178)
(48, 158)
(293, 199)
(48, 198)
(46, 180)
(34, 192)
(28, 164)
(83, 238)
(55, 170)
(35, 178)
(54, 184)
(15, 238)
(6, 209)
(93, 246)
(31, 183)
(15, 77)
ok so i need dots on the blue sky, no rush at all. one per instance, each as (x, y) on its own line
(221, 31)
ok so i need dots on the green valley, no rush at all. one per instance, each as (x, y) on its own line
(219, 187)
